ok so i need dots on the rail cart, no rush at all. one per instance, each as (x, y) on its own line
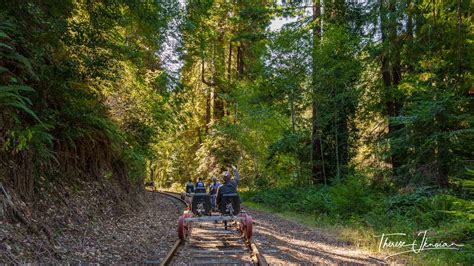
(199, 211)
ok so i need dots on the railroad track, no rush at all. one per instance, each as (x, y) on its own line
(210, 243)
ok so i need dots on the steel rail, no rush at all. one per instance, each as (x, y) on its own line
(169, 256)
(255, 253)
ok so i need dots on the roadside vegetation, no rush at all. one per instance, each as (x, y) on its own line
(81, 91)
(361, 213)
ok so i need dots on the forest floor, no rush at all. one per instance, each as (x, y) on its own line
(284, 242)
(93, 225)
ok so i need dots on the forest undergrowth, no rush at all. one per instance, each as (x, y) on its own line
(361, 213)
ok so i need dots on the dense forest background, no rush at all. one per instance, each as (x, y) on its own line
(354, 112)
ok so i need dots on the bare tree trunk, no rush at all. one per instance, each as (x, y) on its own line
(460, 45)
(316, 151)
(292, 109)
(209, 97)
(240, 61)
(208, 109)
(229, 63)
(336, 135)
(391, 71)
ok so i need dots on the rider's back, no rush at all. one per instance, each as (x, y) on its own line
(200, 187)
(189, 187)
(228, 188)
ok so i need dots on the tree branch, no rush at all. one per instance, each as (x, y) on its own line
(203, 79)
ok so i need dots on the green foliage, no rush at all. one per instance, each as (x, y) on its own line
(79, 88)
(345, 198)
(351, 202)
(351, 196)
(337, 70)
(15, 99)
(10, 96)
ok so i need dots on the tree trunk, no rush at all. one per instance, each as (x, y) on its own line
(240, 61)
(292, 109)
(317, 175)
(218, 107)
(391, 72)
(229, 63)
(208, 110)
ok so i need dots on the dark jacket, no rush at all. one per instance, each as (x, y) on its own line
(200, 187)
(189, 187)
(228, 187)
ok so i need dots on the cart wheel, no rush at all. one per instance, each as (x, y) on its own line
(248, 227)
(181, 228)
(242, 223)
(187, 225)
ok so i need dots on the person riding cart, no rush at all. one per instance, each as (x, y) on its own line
(228, 203)
(189, 187)
(200, 187)
(213, 187)
(229, 188)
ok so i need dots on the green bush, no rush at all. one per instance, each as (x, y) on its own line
(347, 197)
(351, 196)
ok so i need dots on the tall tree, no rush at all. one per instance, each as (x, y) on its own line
(317, 164)
(391, 69)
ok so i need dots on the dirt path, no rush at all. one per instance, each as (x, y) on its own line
(285, 242)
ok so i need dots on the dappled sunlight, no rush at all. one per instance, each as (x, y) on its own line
(282, 240)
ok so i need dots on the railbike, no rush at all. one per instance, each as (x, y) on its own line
(200, 210)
